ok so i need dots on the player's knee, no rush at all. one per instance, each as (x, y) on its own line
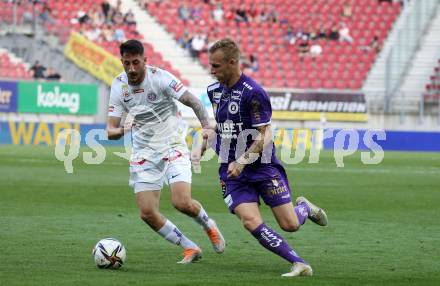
(289, 226)
(183, 206)
(250, 223)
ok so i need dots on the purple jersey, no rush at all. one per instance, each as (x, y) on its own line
(239, 110)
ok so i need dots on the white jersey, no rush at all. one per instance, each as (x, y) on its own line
(157, 132)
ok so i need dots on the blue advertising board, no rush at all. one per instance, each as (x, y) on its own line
(8, 96)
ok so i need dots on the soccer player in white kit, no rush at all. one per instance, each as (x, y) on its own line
(159, 152)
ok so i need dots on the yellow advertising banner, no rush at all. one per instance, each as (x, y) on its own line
(92, 58)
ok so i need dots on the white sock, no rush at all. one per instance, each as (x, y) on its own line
(203, 219)
(171, 233)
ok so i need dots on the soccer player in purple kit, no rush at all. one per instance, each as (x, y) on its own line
(249, 168)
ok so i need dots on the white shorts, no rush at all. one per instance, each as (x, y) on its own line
(148, 176)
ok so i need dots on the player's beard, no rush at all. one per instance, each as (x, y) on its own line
(136, 78)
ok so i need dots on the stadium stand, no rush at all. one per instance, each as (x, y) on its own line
(280, 34)
(433, 87)
(12, 67)
(88, 18)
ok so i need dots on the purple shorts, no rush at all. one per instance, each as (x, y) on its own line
(274, 192)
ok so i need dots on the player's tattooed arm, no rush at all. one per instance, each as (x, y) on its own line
(191, 101)
(263, 139)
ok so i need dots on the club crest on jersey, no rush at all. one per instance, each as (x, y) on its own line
(233, 107)
(152, 97)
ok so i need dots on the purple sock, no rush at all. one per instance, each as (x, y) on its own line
(274, 242)
(302, 211)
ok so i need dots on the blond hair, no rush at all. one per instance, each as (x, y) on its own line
(228, 47)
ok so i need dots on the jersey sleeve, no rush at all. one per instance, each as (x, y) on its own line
(115, 107)
(260, 108)
(171, 86)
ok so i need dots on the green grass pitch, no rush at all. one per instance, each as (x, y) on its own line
(383, 225)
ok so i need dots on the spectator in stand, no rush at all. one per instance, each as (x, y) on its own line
(93, 33)
(198, 43)
(344, 34)
(81, 18)
(97, 16)
(197, 13)
(254, 63)
(107, 33)
(46, 15)
(347, 10)
(117, 17)
(119, 35)
(334, 33)
(217, 13)
(184, 12)
(105, 6)
(240, 14)
(311, 32)
(38, 70)
(230, 15)
(322, 34)
(315, 49)
(273, 15)
(51, 74)
(185, 40)
(374, 45)
(290, 35)
(253, 13)
(129, 18)
(262, 17)
(303, 45)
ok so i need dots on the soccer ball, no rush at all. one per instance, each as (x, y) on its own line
(109, 253)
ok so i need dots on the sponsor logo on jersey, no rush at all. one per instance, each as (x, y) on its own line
(176, 86)
(230, 129)
(216, 96)
(125, 90)
(111, 108)
(233, 107)
(236, 94)
(139, 90)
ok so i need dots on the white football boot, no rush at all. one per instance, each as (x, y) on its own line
(299, 269)
(317, 215)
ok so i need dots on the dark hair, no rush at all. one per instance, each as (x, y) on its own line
(132, 47)
(229, 48)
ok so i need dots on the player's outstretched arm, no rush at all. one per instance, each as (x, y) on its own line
(114, 130)
(192, 101)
